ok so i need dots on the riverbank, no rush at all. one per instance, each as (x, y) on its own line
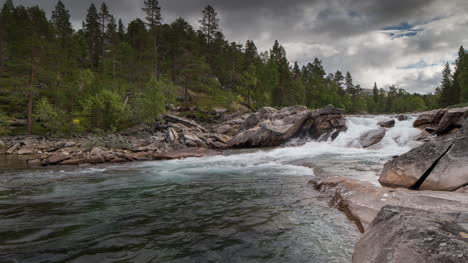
(176, 137)
(361, 147)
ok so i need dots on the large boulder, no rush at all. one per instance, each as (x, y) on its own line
(387, 123)
(277, 127)
(453, 118)
(406, 170)
(440, 164)
(361, 201)
(372, 137)
(57, 158)
(407, 235)
(402, 117)
(451, 172)
(429, 118)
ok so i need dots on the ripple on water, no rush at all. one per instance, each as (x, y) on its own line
(171, 212)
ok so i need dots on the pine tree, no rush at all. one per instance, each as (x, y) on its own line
(153, 19)
(458, 77)
(62, 25)
(121, 30)
(447, 94)
(350, 88)
(251, 53)
(375, 93)
(209, 23)
(92, 29)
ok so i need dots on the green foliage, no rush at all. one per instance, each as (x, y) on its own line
(108, 76)
(51, 118)
(4, 120)
(106, 110)
(152, 102)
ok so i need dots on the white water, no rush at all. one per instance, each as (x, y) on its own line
(342, 157)
(240, 207)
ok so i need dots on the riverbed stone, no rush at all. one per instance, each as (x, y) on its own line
(453, 118)
(402, 117)
(185, 153)
(407, 235)
(372, 137)
(387, 123)
(407, 169)
(429, 118)
(57, 158)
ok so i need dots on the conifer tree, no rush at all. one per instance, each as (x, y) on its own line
(62, 25)
(209, 23)
(447, 92)
(153, 19)
(92, 29)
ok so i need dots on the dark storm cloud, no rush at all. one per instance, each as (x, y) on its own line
(375, 40)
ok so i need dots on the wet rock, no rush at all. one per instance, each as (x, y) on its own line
(453, 118)
(34, 162)
(407, 235)
(402, 117)
(278, 126)
(372, 137)
(387, 123)
(451, 172)
(361, 201)
(185, 153)
(13, 148)
(57, 158)
(407, 169)
(26, 150)
(429, 118)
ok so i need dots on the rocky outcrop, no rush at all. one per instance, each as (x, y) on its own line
(429, 118)
(361, 201)
(440, 164)
(407, 169)
(442, 121)
(453, 118)
(408, 235)
(275, 127)
(372, 137)
(387, 123)
(266, 127)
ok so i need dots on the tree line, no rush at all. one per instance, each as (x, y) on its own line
(108, 76)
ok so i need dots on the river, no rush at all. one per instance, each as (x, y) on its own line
(245, 206)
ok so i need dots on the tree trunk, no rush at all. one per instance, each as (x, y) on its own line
(155, 43)
(30, 102)
(187, 80)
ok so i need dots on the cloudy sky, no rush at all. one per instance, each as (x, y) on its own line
(402, 42)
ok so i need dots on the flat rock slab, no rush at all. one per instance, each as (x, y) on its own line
(361, 201)
(407, 235)
(186, 153)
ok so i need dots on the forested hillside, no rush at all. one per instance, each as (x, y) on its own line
(108, 76)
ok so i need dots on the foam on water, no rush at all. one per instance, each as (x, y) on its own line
(343, 156)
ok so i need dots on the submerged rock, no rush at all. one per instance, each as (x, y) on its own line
(372, 137)
(407, 235)
(186, 153)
